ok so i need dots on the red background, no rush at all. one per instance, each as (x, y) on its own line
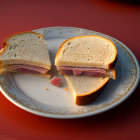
(119, 20)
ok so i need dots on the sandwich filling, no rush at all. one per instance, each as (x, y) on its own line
(23, 68)
(87, 71)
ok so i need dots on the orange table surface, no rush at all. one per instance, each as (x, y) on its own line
(120, 20)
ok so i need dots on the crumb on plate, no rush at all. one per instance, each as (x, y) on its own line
(66, 89)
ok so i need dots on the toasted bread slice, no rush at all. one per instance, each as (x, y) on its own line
(85, 89)
(25, 48)
(87, 51)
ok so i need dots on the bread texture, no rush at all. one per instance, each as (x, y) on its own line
(87, 51)
(25, 48)
(85, 89)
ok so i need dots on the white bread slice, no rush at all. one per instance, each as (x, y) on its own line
(28, 48)
(87, 51)
(85, 89)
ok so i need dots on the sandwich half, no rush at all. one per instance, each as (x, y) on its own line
(25, 52)
(89, 55)
(87, 63)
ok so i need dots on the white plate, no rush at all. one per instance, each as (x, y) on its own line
(29, 93)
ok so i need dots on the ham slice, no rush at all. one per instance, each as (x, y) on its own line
(56, 81)
(81, 71)
(77, 72)
(66, 72)
(27, 69)
(93, 73)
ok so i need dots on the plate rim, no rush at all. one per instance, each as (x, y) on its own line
(86, 114)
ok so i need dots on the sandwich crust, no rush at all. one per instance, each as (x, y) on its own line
(91, 96)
